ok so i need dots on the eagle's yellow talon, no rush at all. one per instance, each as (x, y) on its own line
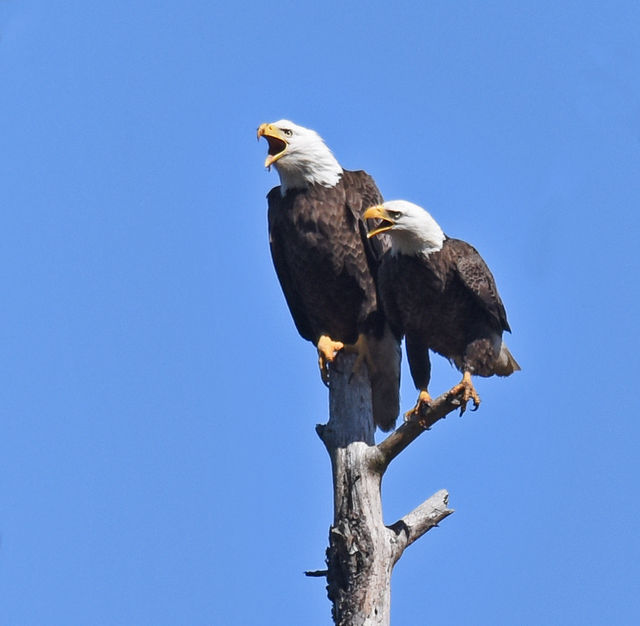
(466, 388)
(327, 352)
(424, 400)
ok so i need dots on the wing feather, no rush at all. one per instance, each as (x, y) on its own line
(362, 192)
(477, 277)
(283, 271)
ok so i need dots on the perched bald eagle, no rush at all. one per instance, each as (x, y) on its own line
(440, 294)
(325, 262)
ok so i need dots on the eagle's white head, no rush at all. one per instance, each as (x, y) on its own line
(412, 230)
(300, 156)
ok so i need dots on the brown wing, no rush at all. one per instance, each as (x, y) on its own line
(283, 271)
(326, 266)
(477, 277)
(389, 276)
(362, 193)
(321, 263)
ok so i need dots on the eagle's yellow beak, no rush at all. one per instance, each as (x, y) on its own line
(276, 140)
(380, 213)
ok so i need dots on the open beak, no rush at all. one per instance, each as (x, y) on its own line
(379, 213)
(276, 140)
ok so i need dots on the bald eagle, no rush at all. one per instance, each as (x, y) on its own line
(440, 294)
(325, 262)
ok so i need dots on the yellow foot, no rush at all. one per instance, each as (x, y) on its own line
(361, 349)
(327, 351)
(466, 388)
(424, 400)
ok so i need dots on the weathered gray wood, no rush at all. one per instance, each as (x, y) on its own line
(423, 518)
(398, 440)
(362, 550)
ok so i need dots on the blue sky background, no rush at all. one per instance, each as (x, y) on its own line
(158, 460)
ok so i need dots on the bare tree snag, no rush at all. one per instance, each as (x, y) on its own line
(362, 550)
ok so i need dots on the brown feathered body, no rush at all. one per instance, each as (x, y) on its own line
(446, 301)
(327, 269)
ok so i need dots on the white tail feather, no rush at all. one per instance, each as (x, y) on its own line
(505, 364)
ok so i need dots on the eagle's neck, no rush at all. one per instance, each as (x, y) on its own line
(315, 167)
(416, 243)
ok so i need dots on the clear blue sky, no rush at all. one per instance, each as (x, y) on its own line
(158, 460)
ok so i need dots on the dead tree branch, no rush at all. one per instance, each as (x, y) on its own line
(423, 518)
(398, 440)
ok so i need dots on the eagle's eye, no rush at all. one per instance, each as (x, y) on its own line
(287, 132)
(395, 215)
